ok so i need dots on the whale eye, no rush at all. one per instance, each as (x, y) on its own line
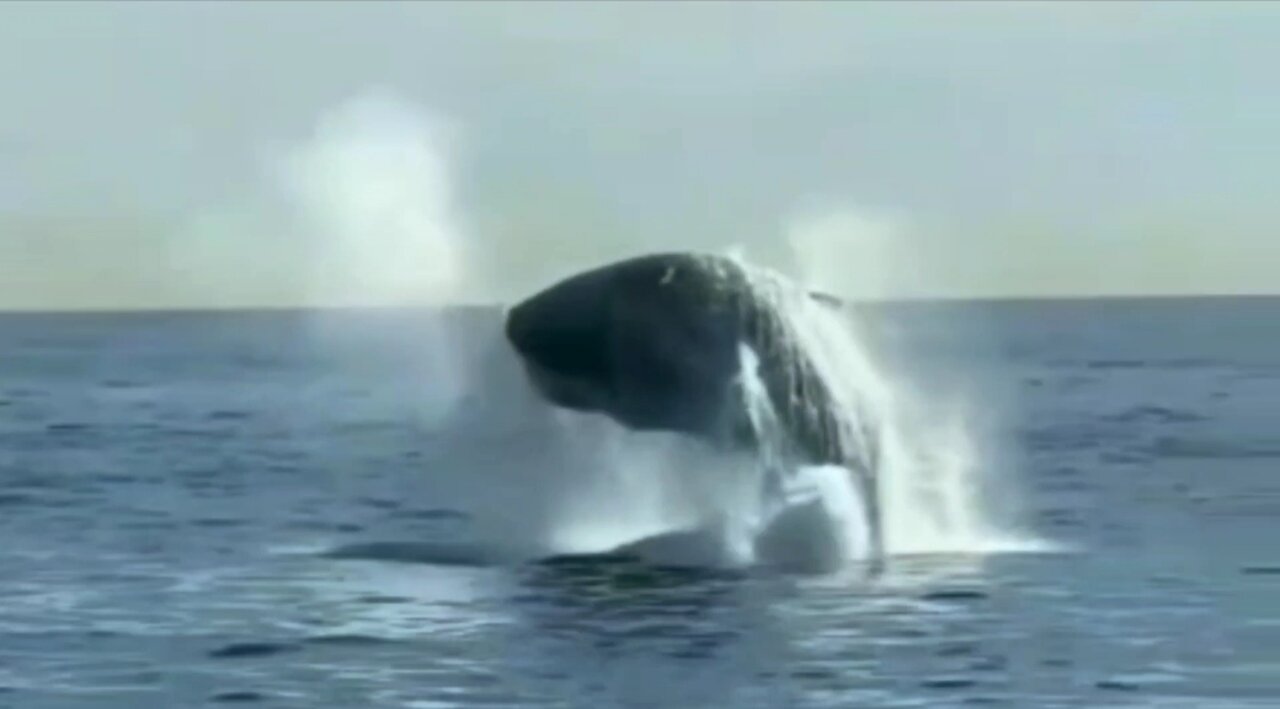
(668, 276)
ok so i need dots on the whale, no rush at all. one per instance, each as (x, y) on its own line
(655, 343)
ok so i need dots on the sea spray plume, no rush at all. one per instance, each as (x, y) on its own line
(938, 417)
(860, 254)
(371, 187)
(810, 415)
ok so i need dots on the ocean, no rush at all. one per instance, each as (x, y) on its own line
(299, 509)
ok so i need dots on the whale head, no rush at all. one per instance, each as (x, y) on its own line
(651, 342)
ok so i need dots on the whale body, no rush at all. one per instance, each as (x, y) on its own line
(654, 342)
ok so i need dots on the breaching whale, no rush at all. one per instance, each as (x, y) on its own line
(654, 342)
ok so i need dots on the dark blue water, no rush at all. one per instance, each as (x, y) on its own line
(248, 508)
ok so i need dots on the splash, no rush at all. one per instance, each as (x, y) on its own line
(371, 192)
(569, 482)
(925, 501)
(372, 187)
(670, 500)
(807, 517)
(923, 449)
(541, 481)
(856, 252)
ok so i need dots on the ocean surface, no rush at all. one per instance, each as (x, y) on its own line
(286, 509)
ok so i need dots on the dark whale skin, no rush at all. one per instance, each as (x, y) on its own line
(653, 343)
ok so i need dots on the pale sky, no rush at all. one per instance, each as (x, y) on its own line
(154, 154)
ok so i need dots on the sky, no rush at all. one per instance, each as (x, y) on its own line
(174, 155)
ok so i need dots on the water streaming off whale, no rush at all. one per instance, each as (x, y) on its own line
(589, 485)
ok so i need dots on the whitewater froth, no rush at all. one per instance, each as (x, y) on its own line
(924, 467)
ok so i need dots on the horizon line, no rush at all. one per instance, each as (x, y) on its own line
(471, 305)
